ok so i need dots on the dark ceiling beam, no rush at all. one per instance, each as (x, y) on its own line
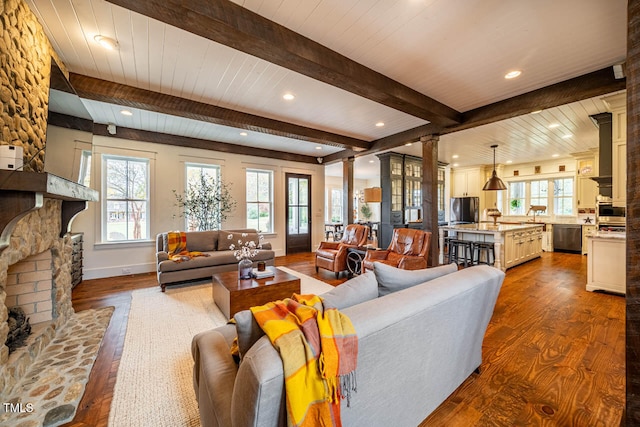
(227, 23)
(69, 122)
(590, 85)
(183, 141)
(129, 96)
(597, 83)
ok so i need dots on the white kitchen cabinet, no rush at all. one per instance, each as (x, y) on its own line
(606, 264)
(619, 173)
(467, 182)
(587, 229)
(618, 105)
(522, 246)
(587, 192)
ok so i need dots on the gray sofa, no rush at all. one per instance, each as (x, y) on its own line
(216, 245)
(417, 344)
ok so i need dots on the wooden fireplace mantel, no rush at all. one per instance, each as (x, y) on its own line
(23, 192)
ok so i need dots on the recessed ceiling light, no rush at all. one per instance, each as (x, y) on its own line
(512, 74)
(371, 161)
(536, 112)
(408, 144)
(455, 165)
(509, 162)
(106, 42)
(243, 134)
(555, 155)
(554, 125)
(567, 136)
(318, 147)
(455, 156)
(126, 113)
(288, 96)
(379, 124)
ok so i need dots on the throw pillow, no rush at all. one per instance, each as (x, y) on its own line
(228, 238)
(248, 331)
(392, 279)
(354, 291)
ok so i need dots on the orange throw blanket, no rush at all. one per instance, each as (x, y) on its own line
(177, 247)
(319, 350)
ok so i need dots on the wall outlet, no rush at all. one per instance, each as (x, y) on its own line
(126, 271)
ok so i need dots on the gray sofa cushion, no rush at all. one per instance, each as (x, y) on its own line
(359, 289)
(248, 331)
(392, 279)
(228, 238)
(202, 240)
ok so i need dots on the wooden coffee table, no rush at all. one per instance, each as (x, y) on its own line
(232, 295)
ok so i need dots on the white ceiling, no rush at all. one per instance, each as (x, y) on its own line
(454, 52)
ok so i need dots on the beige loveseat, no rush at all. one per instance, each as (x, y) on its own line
(214, 243)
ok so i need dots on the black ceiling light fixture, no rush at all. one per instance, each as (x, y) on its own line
(494, 182)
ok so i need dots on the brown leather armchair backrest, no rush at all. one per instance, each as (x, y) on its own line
(355, 234)
(408, 241)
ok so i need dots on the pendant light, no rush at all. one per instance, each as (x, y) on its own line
(494, 182)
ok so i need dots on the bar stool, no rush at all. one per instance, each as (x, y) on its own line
(486, 248)
(461, 252)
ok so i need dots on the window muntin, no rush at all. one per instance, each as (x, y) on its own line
(126, 205)
(260, 200)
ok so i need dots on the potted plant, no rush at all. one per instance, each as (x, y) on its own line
(366, 211)
(206, 203)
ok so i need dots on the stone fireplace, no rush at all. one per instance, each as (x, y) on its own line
(35, 275)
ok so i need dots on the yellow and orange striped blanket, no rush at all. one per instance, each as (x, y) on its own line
(177, 247)
(319, 350)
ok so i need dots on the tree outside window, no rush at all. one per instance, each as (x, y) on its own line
(563, 196)
(127, 198)
(516, 198)
(259, 200)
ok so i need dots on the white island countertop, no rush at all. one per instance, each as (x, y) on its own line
(608, 235)
(489, 228)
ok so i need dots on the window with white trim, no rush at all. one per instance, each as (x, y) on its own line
(126, 201)
(336, 205)
(540, 192)
(200, 179)
(260, 200)
(563, 196)
(516, 198)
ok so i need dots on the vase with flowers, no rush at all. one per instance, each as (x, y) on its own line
(244, 251)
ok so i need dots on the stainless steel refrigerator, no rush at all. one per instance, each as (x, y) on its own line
(464, 210)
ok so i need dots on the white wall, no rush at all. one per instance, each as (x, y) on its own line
(167, 174)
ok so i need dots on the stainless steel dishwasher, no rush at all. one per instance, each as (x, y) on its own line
(567, 238)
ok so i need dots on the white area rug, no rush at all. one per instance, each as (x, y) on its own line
(154, 384)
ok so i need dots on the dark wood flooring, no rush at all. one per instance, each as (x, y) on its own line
(553, 355)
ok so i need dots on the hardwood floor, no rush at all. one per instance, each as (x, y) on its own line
(553, 354)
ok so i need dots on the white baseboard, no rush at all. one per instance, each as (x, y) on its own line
(122, 270)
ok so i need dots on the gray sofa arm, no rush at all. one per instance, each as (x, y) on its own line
(161, 256)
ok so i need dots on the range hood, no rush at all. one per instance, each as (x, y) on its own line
(604, 123)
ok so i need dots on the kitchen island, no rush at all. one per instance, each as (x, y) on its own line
(606, 263)
(513, 243)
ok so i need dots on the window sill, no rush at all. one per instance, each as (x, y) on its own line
(124, 243)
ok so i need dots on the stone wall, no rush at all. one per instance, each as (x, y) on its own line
(35, 233)
(25, 70)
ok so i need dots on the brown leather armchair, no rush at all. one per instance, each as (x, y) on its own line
(332, 256)
(409, 249)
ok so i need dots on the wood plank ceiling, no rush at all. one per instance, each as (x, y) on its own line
(206, 71)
